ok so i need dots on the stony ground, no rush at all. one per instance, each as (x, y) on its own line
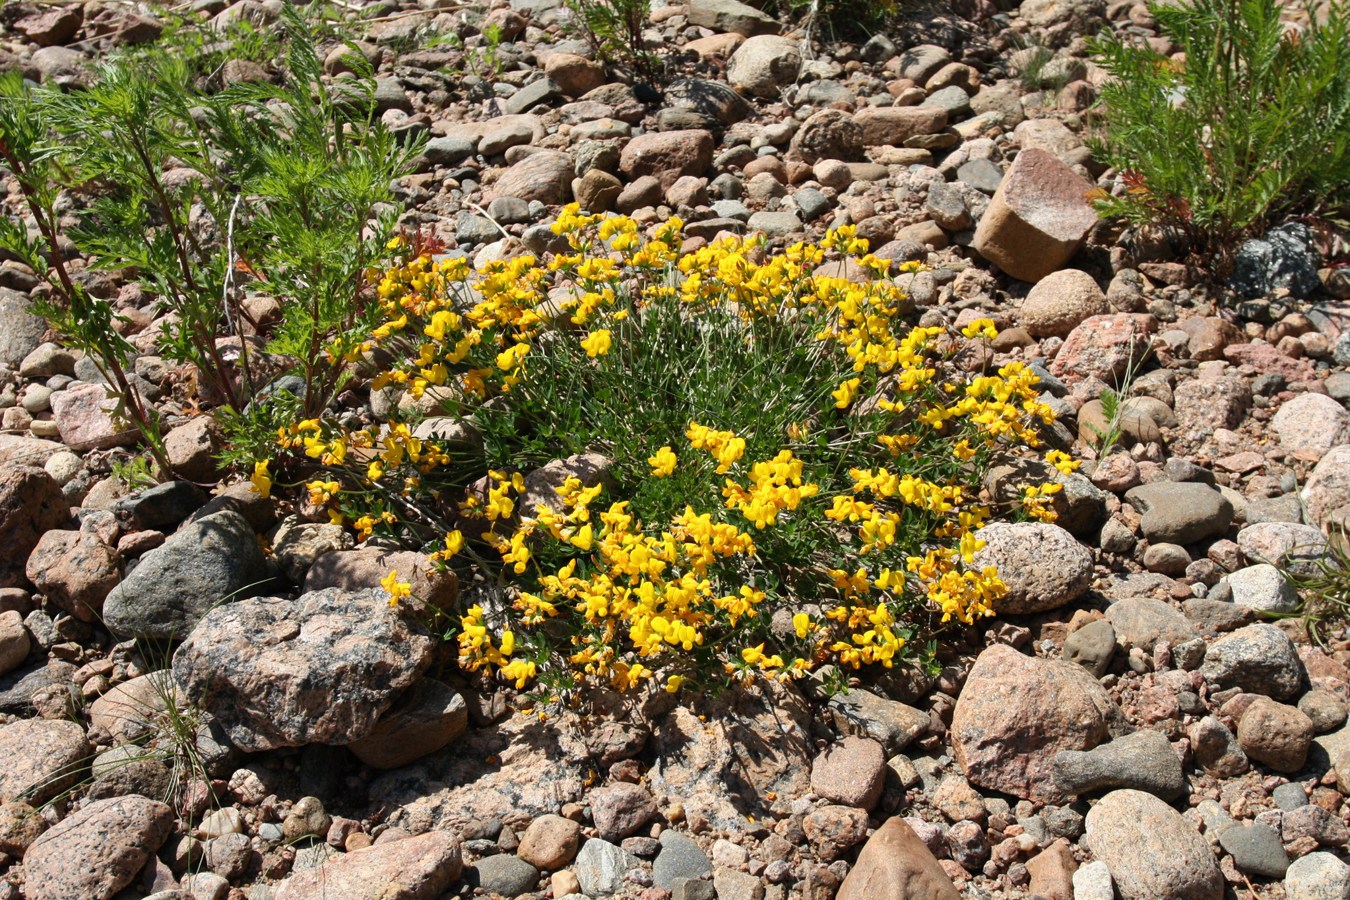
(1134, 725)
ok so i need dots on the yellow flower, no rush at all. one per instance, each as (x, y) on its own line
(454, 542)
(597, 343)
(844, 394)
(981, 328)
(674, 683)
(662, 462)
(396, 589)
(261, 481)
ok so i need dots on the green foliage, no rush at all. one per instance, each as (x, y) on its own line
(1253, 125)
(1323, 582)
(614, 30)
(205, 196)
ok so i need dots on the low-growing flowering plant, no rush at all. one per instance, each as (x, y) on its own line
(779, 471)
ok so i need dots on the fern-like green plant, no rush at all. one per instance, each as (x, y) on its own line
(1253, 125)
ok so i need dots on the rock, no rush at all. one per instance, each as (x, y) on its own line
(1264, 588)
(366, 567)
(31, 504)
(1142, 622)
(1256, 848)
(894, 125)
(1283, 258)
(712, 99)
(1326, 492)
(1052, 872)
(296, 545)
(161, 507)
(133, 710)
(1324, 709)
(1143, 761)
(1216, 748)
(20, 825)
(829, 134)
(891, 723)
(1317, 876)
(731, 16)
(1152, 852)
(851, 772)
(679, 858)
(448, 151)
(76, 570)
(1288, 544)
(216, 559)
(21, 330)
(40, 758)
(775, 224)
(620, 810)
(667, 155)
(599, 191)
(84, 417)
(1102, 347)
(896, 865)
(833, 831)
(600, 867)
(96, 852)
(550, 843)
(1060, 302)
(192, 447)
(1260, 659)
(318, 669)
(764, 65)
(1092, 647)
(427, 717)
(422, 867)
(1016, 712)
(545, 176)
(1037, 219)
(1312, 422)
(575, 75)
(14, 642)
(1181, 512)
(503, 875)
(1042, 564)
(1275, 734)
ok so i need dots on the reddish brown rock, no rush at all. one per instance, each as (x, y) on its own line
(1016, 712)
(76, 570)
(620, 810)
(192, 448)
(575, 75)
(550, 842)
(423, 867)
(1275, 734)
(851, 772)
(31, 504)
(1265, 358)
(52, 26)
(834, 830)
(425, 719)
(829, 134)
(1052, 871)
(545, 176)
(83, 415)
(893, 125)
(895, 865)
(667, 155)
(1038, 218)
(1060, 302)
(1103, 347)
(97, 851)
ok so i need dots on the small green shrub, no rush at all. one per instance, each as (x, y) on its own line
(613, 28)
(1253, 125)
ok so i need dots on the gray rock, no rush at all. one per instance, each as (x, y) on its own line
(1143, 761)
(954, 100)
(600, 867)
(20, 330)
(1042, 564)
(680, 857)
(981, 174)
(775, 224)
(217, 559)
(1256, 848)
(1092, 881)
(448, 151)
(1181, 513)
(475, 230)
(1286, 544)
(1259, 659)
(1216, 748)
(731, 15)
(320, 669)
(111, 840)
(1142, 622)
(1285, 257)
(1317, 876)
(1153, 853)
(1290, 796)
(1092, 646)
(160, 508)
(889, 722)
(764, 65)
(812, 203)
(1264, 588)
(713, 99)
(503, 874)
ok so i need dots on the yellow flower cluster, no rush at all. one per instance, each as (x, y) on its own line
(867, 504)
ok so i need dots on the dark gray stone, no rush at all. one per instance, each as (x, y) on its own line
(1285, 257)
(1256, 848)
(982, 174)
(680, 857)
(213, 561)
(159, 508)
(1181, 512)
(503, 874)
(1144, 761)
